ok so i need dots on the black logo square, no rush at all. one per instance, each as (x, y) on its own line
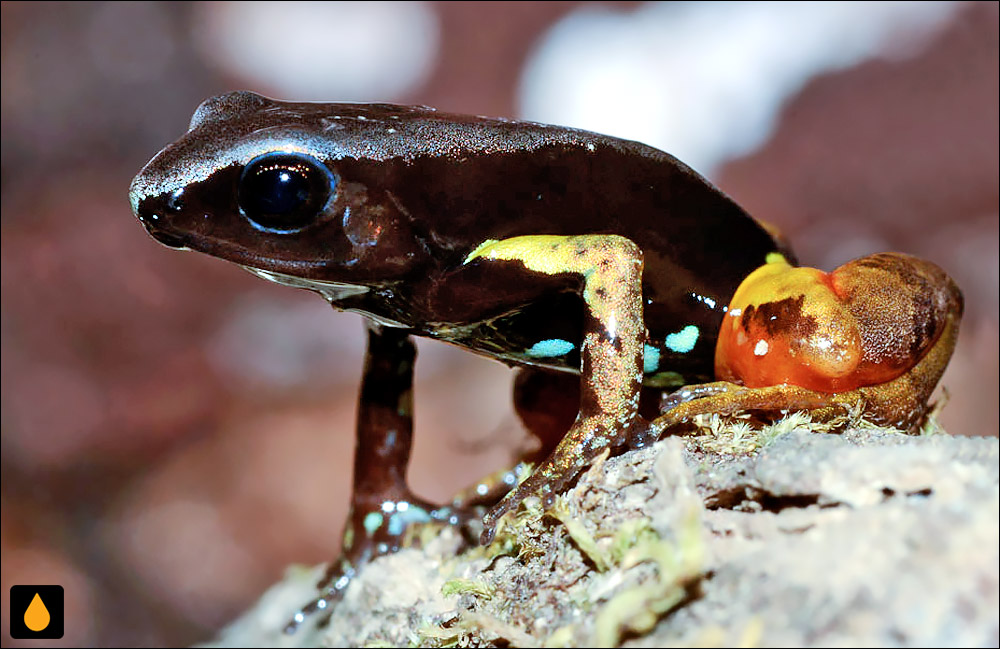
(36, 612)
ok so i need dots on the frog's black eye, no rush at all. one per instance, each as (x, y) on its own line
(284, 191)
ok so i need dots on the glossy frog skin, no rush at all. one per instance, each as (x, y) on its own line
(560, 251)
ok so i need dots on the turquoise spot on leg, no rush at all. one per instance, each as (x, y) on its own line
(683, 341)
(650, 359)
(373, 521)
(550, 348)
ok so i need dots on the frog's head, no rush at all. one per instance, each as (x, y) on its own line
(272, 186)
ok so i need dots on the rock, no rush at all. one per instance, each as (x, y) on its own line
(727, 537)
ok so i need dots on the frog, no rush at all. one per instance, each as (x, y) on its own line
(606, 270)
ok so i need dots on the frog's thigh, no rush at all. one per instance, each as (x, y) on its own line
(611, 351)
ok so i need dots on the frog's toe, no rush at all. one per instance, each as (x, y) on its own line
(490, 523)
(492, 519)
(530, 487)
(335, 582)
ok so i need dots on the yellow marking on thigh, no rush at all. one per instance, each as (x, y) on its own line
(606, 261)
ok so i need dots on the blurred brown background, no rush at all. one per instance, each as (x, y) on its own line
(176, 431)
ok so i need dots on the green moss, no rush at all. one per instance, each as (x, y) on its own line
(628, 535)
(460, 586)
(583, 539)
(637, 609)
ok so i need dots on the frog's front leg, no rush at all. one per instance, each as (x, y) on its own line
(382, 505)
(611, 351)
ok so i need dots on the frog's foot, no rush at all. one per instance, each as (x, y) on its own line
(374, 530)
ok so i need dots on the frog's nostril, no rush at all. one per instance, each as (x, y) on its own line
(148, 217)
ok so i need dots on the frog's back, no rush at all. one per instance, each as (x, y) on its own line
(523, 179)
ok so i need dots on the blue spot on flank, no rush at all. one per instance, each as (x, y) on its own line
(650, 359)
(550, 348)
(684, 340)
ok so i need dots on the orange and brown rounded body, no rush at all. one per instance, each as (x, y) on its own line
(881, 327)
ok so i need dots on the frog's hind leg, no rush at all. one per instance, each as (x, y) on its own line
(383, 508)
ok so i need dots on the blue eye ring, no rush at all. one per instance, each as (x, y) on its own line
(282, 191)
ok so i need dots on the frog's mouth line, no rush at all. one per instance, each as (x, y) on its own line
(332, 291)
(247, 259)
(167, 239)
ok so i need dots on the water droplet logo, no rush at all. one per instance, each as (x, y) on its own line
(36, 612)
(37, 616)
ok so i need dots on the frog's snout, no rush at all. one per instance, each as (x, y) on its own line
(152, 213)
